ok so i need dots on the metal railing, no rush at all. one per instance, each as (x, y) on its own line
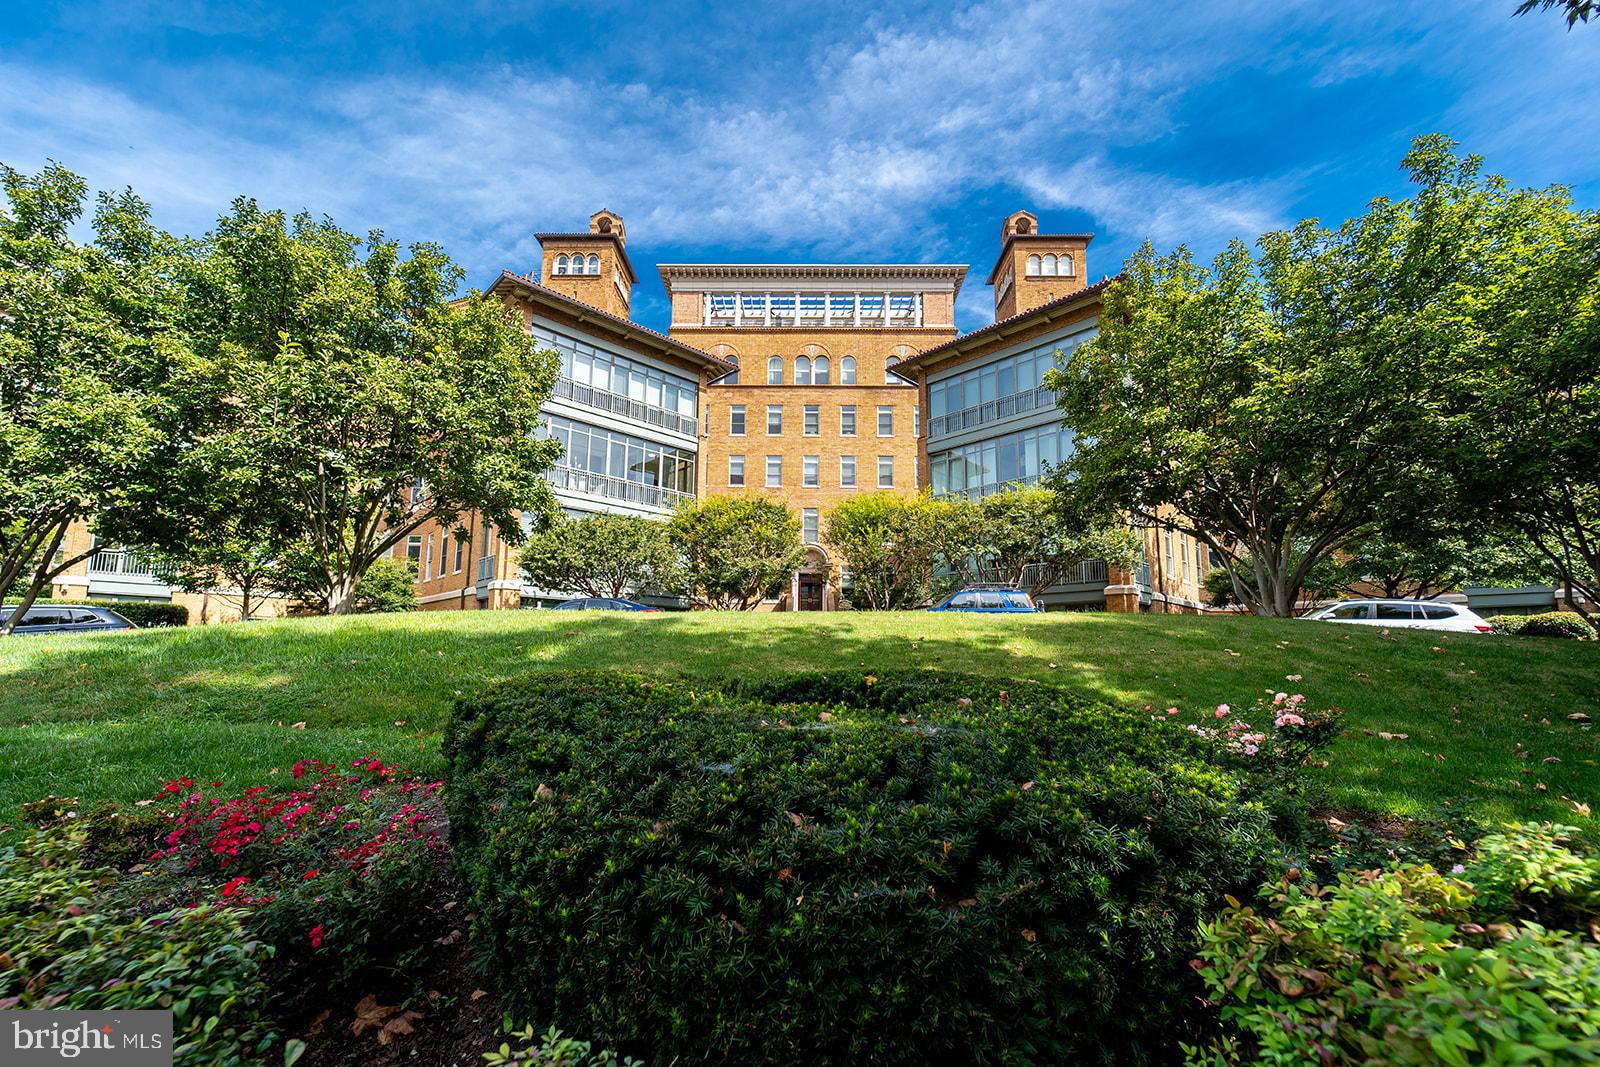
(978, 492)
(123, 563)
(992, 411)
(1141, 576)
(582, 481)
(486, 568)
(617, 404)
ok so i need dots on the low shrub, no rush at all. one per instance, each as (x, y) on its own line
(838, 868)
(551, 1049)
(74, 939)
(1507, 624)
(332, 869)
(1410, 966)
(138, 612)
(1565, 624)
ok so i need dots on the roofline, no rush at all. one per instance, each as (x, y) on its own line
(1028, 238)
(957, 345)
(525, 286)
(622, 249)
(670, 271)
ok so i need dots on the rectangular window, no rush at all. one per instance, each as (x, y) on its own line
(736, 420)
(847, 420)
(1169, 567)
(414, 551)
(774, 420)
(885, 421)
(735, 470)
(813, 420)
(461, 550)
(847, 472)
(427, 561)
(444, 555)
(885, 472)
(916, 421)
(774, 470)
(1183, 546)
(808, 525)
(809, 468)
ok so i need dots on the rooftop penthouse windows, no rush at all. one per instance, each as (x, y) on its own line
(838, 309)
(1050, 266)
(577, 264)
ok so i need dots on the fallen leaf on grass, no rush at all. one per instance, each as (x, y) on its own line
(297, 726)
(1393, 737)
(478, 994)
(1029, 936)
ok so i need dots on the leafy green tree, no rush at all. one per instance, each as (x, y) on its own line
(1292, 404)
(1427, 564)
(602, 556)
(88, 357)
(736, 551)
(1022, 538)
(388, 585)
(1576, 10)
(364, 401)
(898, 547)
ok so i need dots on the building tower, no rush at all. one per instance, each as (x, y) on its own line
(592, 267)
(1035, 268)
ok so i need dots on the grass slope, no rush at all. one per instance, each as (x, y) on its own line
(113, 715)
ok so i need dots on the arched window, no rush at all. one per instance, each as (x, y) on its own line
(889, 376)
(847, 370)
(820, 370)
(561, 264)
(802, 370)
(1049, 265)
(594, 264)
(1033, 264)
(1067, 268)
(775, 370)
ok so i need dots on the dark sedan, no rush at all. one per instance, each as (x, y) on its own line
(66, 619)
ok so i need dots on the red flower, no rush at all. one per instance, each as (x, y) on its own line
(312, 873)
(316, 936)
(233, 887)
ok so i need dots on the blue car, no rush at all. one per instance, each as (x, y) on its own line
(988, 602)
(599, 603)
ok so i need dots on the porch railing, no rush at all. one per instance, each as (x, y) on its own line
(582, 481)
(617, 404)
(991, 411)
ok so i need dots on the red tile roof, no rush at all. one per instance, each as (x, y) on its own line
(956, 344)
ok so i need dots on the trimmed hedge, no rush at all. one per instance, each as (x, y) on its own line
(836, 868)
(1567, 624)
(138, 612)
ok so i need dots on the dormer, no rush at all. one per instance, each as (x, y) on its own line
(1035, 268)
(592, 267)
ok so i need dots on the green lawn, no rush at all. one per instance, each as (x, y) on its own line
(1486, 718)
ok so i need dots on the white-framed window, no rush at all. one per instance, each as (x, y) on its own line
(1033, 264)
(775, 370)
(736, 420)
(885, 420)
(419, 491)
(889, 376)
(1169, 567)
(1067, 269)
(810, 468)
(414, 551)
(847, 472)
(774, 471)
(802, 370)
(561, 264)
(735, 470)
(916, 420)
(774, 420)
(444, 555)
(813, 420)
(847, 420)
(820, 371)
(885, 472)
(427, 561)
(808, 525)
(1183, 545)
(461, 551)
(847, 370)
(594, 264)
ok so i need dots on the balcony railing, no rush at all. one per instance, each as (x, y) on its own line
(124, 564)
(582, 481)
(617, 404)
(486, 566)
(991, 411)
(978, 492)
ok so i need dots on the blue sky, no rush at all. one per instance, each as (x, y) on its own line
(810, 132)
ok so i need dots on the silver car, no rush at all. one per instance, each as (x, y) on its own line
(1408, 614)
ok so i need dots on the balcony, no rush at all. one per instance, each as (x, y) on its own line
(992, 411)
(617, 404)
(121, 571)
(581, 481)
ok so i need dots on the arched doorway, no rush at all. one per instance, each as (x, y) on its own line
(811, 582)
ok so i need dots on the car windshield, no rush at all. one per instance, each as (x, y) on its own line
(1020, 600)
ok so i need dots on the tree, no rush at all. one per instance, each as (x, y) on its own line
(363, 399)
(388, 585)
(602, 556)
(1291, 405)
(1023, 539)
(736, 551)
(1577, 10)
(88, 356)
(1420, 566)
(896, 546)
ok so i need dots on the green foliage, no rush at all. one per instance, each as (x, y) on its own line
(1506, 624)
(1576, 10)
(842, 868)
(1423, 563)
(894, 545)
(138, 612)
(1408, 966)
(352, 399)
(552, 1049)
(602, 556)
(74, 941)
(1565, 624)
(736, 551)
(1327, 579)
(389, 585)
(1022, 537)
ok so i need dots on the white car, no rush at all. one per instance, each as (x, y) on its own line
(1410, 614)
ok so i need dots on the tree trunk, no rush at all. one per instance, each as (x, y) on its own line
(40, 576)
(244, 595)
(342, 594)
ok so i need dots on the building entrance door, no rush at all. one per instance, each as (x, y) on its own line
(811, 592)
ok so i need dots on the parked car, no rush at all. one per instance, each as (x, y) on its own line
(602, 603)
(988, 601)
(1409, 614)
(66, 619)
